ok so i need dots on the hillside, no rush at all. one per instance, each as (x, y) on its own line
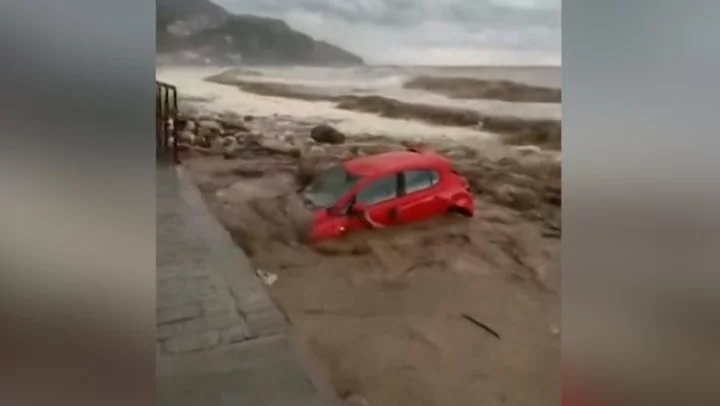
(199, 31)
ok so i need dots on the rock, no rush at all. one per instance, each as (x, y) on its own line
(203, 142)
(243, 134)
(249, 118)
(208, 117)
(217, 144)
(316, 150)
(326, 134)
(190, 126)
(187, 136)
(242, 139)
(210, 124)
(277, 147)
(206, 132)
(234, 125)
(253, 145)
(229, 142)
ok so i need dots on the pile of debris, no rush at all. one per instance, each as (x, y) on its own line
(231, 135)
(212, 133)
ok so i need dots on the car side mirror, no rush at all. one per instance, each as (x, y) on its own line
(335, 211)
(339, 210)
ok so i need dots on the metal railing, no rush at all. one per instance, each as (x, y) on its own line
(166, 121)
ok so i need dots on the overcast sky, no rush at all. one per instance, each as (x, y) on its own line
(445, 32)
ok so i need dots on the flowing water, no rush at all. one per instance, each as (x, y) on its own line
(384, 81)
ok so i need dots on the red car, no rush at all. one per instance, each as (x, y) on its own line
(384, 190)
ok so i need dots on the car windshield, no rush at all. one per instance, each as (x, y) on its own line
(328, 188)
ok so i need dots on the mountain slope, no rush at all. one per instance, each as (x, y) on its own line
(202, 31)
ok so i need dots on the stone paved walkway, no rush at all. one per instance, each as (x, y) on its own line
(220, 339)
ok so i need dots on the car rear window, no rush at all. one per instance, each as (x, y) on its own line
(417, 180)
(328, 188)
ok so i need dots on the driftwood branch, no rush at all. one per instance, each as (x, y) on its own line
(481, 325)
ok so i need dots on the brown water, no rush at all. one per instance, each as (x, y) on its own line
(387, 315)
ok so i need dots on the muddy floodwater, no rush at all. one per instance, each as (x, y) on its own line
(451, 312)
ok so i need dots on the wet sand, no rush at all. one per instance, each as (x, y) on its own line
(450, 312)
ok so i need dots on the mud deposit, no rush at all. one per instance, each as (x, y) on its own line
(387, 316)
(468, 88)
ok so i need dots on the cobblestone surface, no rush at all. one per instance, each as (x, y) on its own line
(216, 324)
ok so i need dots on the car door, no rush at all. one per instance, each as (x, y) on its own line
(419, 198)
(375, 203)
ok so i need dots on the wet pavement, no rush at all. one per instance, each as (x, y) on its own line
(220, 339)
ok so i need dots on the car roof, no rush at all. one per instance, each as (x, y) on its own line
(395, 161)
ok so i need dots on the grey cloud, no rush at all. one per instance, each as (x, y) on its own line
(488, 15)
(378, 28)
(413, 12)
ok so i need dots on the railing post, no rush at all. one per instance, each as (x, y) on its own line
(166, 106)
(166, 113)
(174, 115)
(158, 121)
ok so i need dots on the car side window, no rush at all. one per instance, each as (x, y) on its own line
(379, 191)
(417, 180)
